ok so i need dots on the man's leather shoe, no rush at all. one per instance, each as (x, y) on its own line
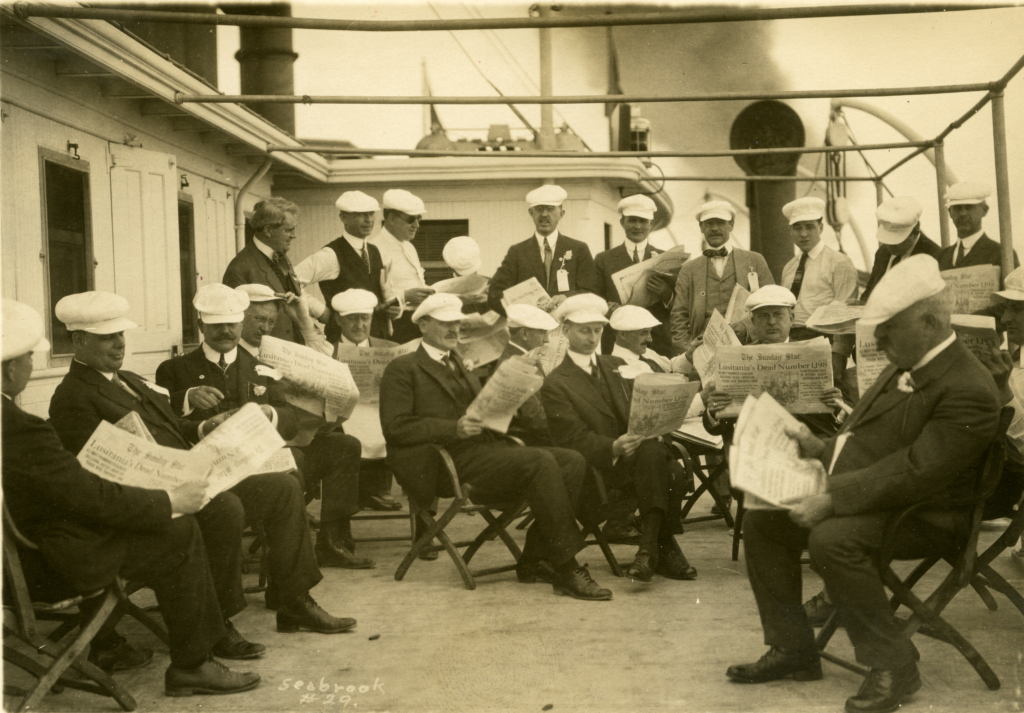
(672, 563)
(305, 613)
(580, 585)
(337, 556)
(234, 646)
(818, 609)
(642, 568)
(382, 502)
(532, 571)
(778, 663)
(884, 691)
(122, 657)
(621, 533)
(212, 678)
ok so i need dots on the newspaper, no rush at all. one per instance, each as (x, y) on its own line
(765, 462)
(716, 334)
(133, 423)
(482, 339)
(660, 403)
(667, 263)
(465, 285)
(530, 292)
(512, 383)
(312, 381)
(693, 431)
(796, 374)
(366, 365)
(550, 355)
(838, 318)
(971, 286)
(737, 310)
(977, 332)
(871, 361)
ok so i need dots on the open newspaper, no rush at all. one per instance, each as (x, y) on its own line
(234, 451)
(631, 282)
(512, 383)
(737, 310)
(482, 339)
(463, 285)
(718, 333)
(660, 403)
(796, 374)
(765, 463)
(835, 318)
(310, 380)
(977, 332)
(871, 361)
(971, 286)
(549, 356)
(530, 292)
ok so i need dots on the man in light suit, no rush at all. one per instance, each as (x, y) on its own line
(637, 220)
(918, 434)
(899, 236)
(423, 401)
(563, 266)
(967, 205)
(587, 402)
(265, 261)
(706, 282)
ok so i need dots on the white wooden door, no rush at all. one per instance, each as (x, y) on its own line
(144, 211)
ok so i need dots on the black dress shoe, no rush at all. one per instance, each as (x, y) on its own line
(672, 563)
(212, 678)
(337, 556)
(778, 663)
(122, 657)
(580, 585)
(621, 533)
(642, 568)
(305, 613)
(884, 691)
(383, 502)
(234, 646)
(818, 610)
(532, 571)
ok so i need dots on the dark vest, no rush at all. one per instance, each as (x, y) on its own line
(352, 274)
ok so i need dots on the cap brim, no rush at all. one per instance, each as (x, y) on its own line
(368, 310)
(446, 314)
(770, 304)
(586, 318)
(645, 214)
(966, 201)
(222, 318)
(551, 203)
(1010, 295)
(111, 327)
(805, 216)
(890, 237)
(710, 215)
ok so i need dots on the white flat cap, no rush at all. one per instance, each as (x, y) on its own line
(22, 330)
(629, 318)
(356, 202)
(462, 254)
(220, 304)
(586, 308)
(806, 208)
(530, 317)
(546, 195)
(716, 209)
(354, 302)
(967, 193)
(1013, 287)
(397, 199)
(442, 307)
(638, 205)
(94, 312)
(771, 296)
(913, 279)
(896, 218)
(258, 293)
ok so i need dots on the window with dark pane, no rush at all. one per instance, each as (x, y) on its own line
(69, 242)
(187, 269)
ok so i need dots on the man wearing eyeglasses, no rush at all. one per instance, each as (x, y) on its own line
(402, 214)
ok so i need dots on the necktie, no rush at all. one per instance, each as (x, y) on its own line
(451, 365)
(712, 252)
(366, 257)
(959, 254)
(636, 256)
(222, 363)
(124, 387)
(798, 278)
(547, 262)
(287, 273)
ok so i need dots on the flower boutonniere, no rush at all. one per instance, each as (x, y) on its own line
(567, 256)
(906, 383)
(468, 364)
(259, 390)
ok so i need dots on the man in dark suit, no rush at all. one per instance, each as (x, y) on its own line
(348, 262)
(967, 205)
(563, 266)
(637, 220)
(96, 389)
(423, 400)
(219, 376)
(265, 261)
(899, 236)
(91, 530)
(587, 402)
(918, 434)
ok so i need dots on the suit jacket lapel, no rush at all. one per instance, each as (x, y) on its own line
(582, 383)
(534, 263)
(617, 386)
(153, 405)
(268, 269)
(108, 389)
(436, 370)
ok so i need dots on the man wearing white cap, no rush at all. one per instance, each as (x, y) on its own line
(265, 260)
(96, 389)
(402, 214)
(917, 435)
(462, 255)
(967, 205)
(706, 282)
(348, 262)
(587, 403)
(637, 220)
(423, 401)
(563, 266)
(633, 329)
(218, 376)
(260, 316)
(899, 236)
(90, 531)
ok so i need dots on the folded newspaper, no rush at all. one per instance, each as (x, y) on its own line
(972, 287)
(796, 374)
(693, 430)
(366, 366)
(631, 282)
(512, 383)
(765, 462)
(310, 380)
(550, 355)
(465, 285)
(530, 292)
(737, 310)
(835, 318)
(660, 403)
(718, 333)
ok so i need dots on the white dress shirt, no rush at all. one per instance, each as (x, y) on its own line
(551, 240)
(640, 249)
(402, 264)
(829, 276)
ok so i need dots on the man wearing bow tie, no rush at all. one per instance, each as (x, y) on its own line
(706, 282)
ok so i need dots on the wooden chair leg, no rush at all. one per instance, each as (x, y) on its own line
(496, 526)
(995, 581)
(737, 528)
(606, 549)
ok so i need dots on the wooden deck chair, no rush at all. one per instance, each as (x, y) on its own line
(21, 621)
(707, 473)
(967, 567)
(364, 515)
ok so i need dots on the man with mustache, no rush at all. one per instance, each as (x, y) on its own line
(899, 236)
(402, 215)
(967, 205)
